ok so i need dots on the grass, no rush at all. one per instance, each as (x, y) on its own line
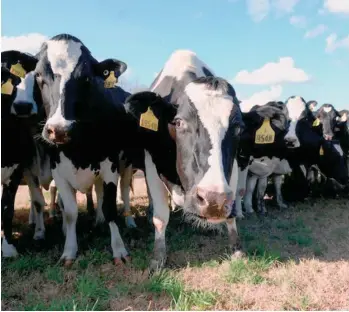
(295, 259)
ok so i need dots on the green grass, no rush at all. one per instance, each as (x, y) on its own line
(54, 274)
(26, 264)
(182, 299)
(250, 270)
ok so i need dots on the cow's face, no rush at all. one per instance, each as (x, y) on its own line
(65, 73)
(22, 65)
(298, 111)
(327, 116)
(207, 129)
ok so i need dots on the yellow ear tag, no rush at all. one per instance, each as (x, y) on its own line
(18, 70)
(265, 134)
(149, 121)
(110, 81)
(321, 152)
(7, 87)
(316, 122)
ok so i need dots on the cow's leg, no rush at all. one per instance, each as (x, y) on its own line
(262, 187)
(161, 213)
(110, 183)
(99, 194)
(9, 191)
(89, 202)
(250, 186)
(125, 182)
(279, 199)
(70, 214)
(234, 240)
(241, 190)
(53, 194)
(150, 211)
(38, 203)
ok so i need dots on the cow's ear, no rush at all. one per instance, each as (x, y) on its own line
(343, 116)
(110, 70)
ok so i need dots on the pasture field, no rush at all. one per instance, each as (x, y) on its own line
(295, 260)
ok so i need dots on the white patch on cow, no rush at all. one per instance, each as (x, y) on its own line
(180, 62)
(6, 173)
(63, 57)
(25, 93)
(214, 108)
(282, 167)
(327, 109)
(295, 106)
(8, 250)
(79, 179)
(241, 190)
(250, 186)
(234, 178)
(106, 172)
(264, 166)
(338, 149)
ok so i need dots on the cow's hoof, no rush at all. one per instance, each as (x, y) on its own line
(239, 216)
(237, 254)
(39, 236)
(122, 260)
(8, 250)
(68, 263)
(156, 266)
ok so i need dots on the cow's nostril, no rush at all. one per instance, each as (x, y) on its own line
(200, 199)
(49, 131)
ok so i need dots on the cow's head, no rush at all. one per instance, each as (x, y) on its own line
(22, 65)
(299, 111)
(327, 116)
(66, 73)
(205, 129)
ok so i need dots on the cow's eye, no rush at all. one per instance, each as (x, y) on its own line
(106, 72)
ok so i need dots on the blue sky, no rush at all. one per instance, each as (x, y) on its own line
(238, 39)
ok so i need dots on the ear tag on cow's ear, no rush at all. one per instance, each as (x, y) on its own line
(7, 87)
(316, 122)
(149, 121)
(265, 134)
(321, 152)
(18, 70)
(110, 81)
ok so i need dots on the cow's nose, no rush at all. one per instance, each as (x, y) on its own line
(57, 134)
(22, 108)
(291, 141)
(328, 137)
(214, 203)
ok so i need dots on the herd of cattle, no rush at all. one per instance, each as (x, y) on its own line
(66, 123)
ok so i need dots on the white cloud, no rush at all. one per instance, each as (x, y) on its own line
(317, 31)
(273, 73)
(261, 98)
(29, 43)
(285, 6)
(298, 21)
(258, 9)
(337, 6)
(333, 43)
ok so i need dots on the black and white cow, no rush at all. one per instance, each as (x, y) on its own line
(189, 126)
(19, 153)
(85, 114)
(262, 152)
(313, 148)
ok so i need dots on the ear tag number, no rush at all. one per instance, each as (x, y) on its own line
(110, 81)
(7, 87)
(265, 134)
(149, 121)
(18, 70)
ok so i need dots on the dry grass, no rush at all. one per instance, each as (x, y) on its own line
(296, 260)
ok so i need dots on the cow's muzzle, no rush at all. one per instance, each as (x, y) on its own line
(58, 134)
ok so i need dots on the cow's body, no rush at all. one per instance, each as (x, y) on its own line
(19, 153)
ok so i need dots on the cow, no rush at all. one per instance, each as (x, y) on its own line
(19, 153)
(82, 107)
(188, 125)
(312, 149)
(262, 153)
